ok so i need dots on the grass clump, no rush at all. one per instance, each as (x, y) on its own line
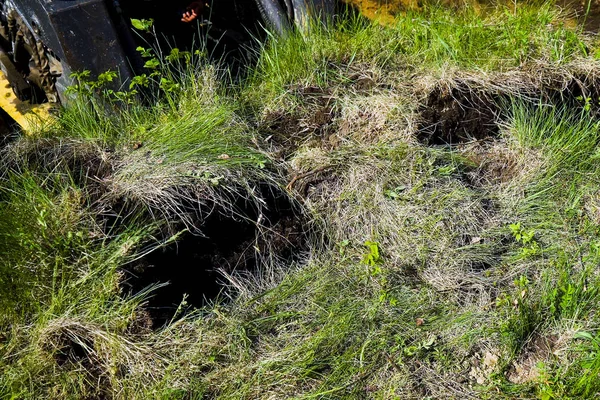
(161, 154)
(61, 302)
(88, 198)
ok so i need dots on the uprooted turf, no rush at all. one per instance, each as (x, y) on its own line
(411, 212)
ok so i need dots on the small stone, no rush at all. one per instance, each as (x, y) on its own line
(476, 240)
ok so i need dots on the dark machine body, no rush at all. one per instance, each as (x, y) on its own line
(43, 41)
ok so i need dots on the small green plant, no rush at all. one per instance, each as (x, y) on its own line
(145, 52)
(162, 73)
(520, 311)
(545, 382)
(525, 237)
(372, 258)
(446, 170)
(143, 25)
(86, 86)
(421, 346)
(587, 102)
(562, 299)
(90, 88)
(342, 246)
(571, 292)
(396, 193)
(177, 55)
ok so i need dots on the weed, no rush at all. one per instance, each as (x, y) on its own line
(530, 246)
(587, 383)
(372, 258)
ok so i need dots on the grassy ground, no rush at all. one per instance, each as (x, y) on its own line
(444, 170)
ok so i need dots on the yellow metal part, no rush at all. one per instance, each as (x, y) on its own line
(27, 115)
(386, 12)
(383, 11)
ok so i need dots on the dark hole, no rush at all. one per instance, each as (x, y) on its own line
(457, 116)
(580, 93)
(226, 27)
(74, 351)
(71, 351)
(480, 266)
(9, 129)
(488, 204)
(235, 244)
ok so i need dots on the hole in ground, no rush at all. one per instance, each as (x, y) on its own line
(456, 116)
(580, 93)
(73, 348)
(72, 351)
(193, 265)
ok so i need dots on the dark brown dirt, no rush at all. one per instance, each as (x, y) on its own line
(287, 130)
(455, 116)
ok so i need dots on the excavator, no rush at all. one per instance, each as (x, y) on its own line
(43, 42)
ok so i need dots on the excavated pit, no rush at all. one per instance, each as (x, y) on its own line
(455, 116)
(193, 266)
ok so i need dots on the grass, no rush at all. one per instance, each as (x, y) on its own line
(435, 39)
(430, 271)
(59, 273)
